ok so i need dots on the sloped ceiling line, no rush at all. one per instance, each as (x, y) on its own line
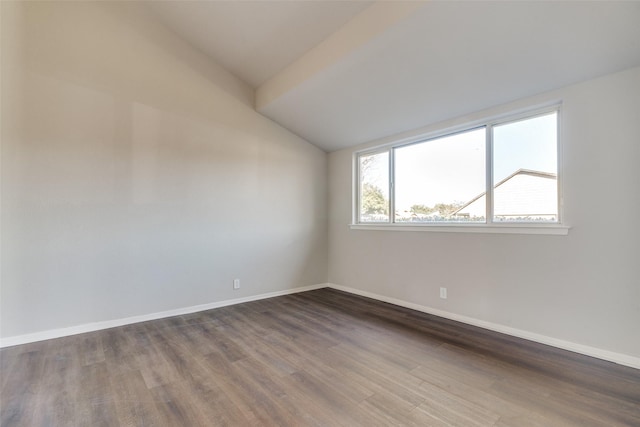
(370, 70)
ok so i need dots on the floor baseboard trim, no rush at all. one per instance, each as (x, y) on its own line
(621, 359)
(607, 355)
(96, 326)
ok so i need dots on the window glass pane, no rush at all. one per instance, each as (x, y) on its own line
(525, 167)
(374, 187)
(435, 178)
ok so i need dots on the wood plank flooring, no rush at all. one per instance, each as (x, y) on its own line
(319, 358)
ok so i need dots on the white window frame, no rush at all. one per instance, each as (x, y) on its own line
(490, 226)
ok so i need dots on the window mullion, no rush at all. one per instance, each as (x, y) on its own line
(392, 186)
(489, 174)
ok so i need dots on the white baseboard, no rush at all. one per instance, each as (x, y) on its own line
(610, 356)
(90, 327)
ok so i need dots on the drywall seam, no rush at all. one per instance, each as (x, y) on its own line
(97, 326)
(607, 355)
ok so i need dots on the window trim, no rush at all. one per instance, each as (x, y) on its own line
(490, 226)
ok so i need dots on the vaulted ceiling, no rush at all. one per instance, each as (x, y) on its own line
(340, 73)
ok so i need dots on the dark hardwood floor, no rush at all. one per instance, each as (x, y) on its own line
(320, 358)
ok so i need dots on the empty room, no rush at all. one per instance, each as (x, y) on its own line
(320, 213)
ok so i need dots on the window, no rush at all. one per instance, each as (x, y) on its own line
(436, 177)
(374, 187)
(500, 172)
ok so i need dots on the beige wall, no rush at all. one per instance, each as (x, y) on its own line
(583, 288)
(136, 176)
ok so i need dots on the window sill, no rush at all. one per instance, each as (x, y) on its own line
(550, 229)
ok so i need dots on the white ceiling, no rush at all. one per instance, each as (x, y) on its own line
(255, 39)
(427, 64)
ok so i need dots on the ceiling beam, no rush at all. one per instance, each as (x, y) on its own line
(365, 26)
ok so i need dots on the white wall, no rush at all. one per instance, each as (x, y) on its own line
(583, 288)
(136, 176)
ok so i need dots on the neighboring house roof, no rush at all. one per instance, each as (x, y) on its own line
(523, 193)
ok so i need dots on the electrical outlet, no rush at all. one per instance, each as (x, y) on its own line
(236, 283)
(443, 293)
